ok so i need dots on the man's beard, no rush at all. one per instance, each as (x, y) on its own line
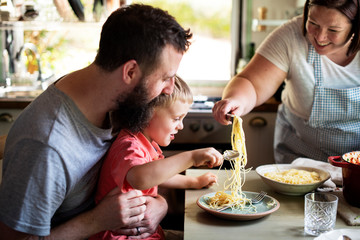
(134, 112)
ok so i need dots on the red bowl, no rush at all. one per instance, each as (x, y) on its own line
(351, 179)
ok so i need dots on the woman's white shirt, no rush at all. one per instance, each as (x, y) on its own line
(287, 48)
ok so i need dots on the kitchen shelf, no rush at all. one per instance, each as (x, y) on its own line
(268, 22)
(50, 26)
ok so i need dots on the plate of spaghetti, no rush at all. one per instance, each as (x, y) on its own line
(238, 201)
(292, 180)
(242, 211)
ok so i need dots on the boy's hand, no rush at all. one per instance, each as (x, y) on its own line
(205, 181)
(207, 156)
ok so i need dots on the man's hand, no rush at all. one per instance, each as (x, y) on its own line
(156, 209)
(117, 210)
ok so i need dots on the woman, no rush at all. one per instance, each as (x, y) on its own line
(317, 56)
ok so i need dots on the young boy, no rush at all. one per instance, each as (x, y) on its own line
(135, 160)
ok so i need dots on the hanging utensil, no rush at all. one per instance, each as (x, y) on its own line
(78, 9)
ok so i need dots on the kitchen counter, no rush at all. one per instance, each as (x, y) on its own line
(15, 103)
(20, 102)
(19, 98)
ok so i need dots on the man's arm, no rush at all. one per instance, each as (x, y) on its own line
(114, 211)
(8, 233)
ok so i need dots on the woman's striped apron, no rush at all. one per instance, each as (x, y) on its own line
(332, 129)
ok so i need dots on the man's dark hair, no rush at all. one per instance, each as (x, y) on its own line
(139, 32)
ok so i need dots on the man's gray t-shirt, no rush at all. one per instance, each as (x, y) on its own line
(51, 164)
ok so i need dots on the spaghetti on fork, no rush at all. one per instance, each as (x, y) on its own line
(236, 199)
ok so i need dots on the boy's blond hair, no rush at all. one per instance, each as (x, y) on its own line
(181, 92)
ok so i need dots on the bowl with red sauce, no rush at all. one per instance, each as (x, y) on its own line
(350, 164)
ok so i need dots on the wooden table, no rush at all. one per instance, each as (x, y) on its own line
(286, 223)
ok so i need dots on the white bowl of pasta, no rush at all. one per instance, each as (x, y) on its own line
(292, 180)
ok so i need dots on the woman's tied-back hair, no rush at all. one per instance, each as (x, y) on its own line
(350, 8)
(181, 93)
(139, 32)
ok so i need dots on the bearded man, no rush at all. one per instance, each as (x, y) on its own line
(53, 151)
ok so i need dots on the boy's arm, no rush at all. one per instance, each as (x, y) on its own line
(180, 181)
(154, 173)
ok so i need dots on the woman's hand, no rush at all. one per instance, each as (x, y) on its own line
(225, 106)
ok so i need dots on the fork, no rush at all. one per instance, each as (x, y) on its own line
(230, 116)
(257, 199)
(230, 154)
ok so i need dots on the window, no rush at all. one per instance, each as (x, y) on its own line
(208, 62)
(209, 57)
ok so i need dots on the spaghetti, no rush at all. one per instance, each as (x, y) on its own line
(237, 199)
(294, 176)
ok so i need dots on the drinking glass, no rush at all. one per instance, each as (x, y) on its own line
(320, 213)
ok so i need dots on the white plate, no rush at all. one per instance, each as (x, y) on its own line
(354, 234)
(265, 207)
(291, 189)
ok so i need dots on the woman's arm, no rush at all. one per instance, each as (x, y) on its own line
(250, 88)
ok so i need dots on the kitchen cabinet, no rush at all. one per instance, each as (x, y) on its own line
(7, 118)
(259, 138)
(10, 108)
